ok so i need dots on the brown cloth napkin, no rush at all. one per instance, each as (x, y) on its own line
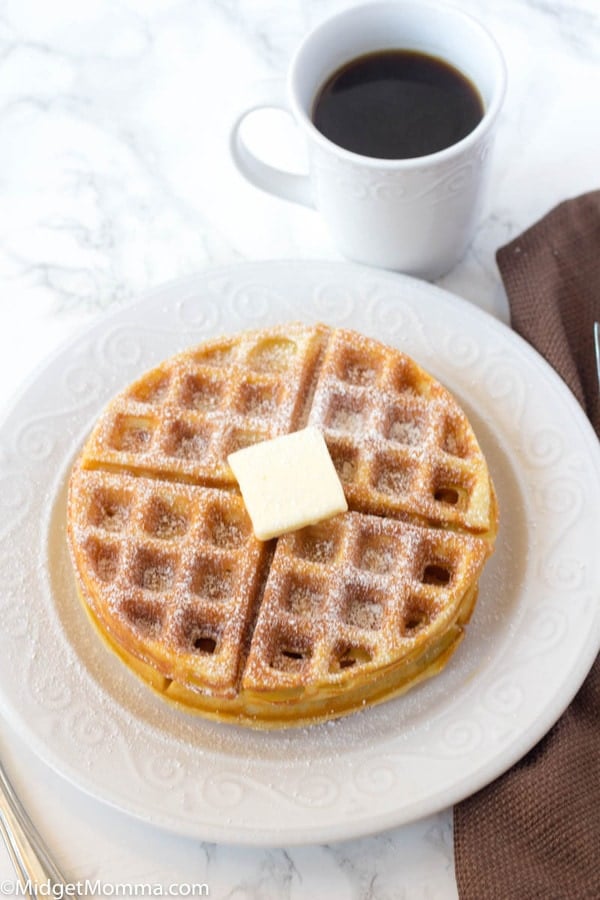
(534, 833)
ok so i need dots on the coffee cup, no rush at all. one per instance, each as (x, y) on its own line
(417, 214)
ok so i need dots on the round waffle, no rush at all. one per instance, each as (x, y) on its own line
(319, 622)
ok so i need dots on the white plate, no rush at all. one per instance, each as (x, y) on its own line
(534, 635)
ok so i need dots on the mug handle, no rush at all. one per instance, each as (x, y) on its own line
(287, 185)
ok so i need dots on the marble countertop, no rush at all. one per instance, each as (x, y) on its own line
(115, 177)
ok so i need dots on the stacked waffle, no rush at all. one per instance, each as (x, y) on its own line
(314, 624)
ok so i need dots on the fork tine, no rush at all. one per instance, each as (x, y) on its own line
(29, 855)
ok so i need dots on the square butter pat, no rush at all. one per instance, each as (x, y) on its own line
(288, 482)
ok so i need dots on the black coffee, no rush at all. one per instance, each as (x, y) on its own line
(397, 104)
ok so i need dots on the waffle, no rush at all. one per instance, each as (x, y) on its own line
(319, 622)
(400, 443)
(358, 608)
(159, 564)
(180, 421)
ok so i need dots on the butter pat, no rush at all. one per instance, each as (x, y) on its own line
(288, 482)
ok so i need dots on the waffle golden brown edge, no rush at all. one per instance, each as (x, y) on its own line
(317, 623)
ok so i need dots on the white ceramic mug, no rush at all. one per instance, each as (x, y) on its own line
(413, 215)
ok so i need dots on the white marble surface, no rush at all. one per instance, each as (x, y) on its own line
(115, 176)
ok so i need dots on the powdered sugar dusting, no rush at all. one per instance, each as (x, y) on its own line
(406, 432)
(157, 578)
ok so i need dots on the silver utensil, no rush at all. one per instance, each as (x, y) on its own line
(597, 348)
(30, 857)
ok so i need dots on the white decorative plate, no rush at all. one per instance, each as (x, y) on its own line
(533, 637)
